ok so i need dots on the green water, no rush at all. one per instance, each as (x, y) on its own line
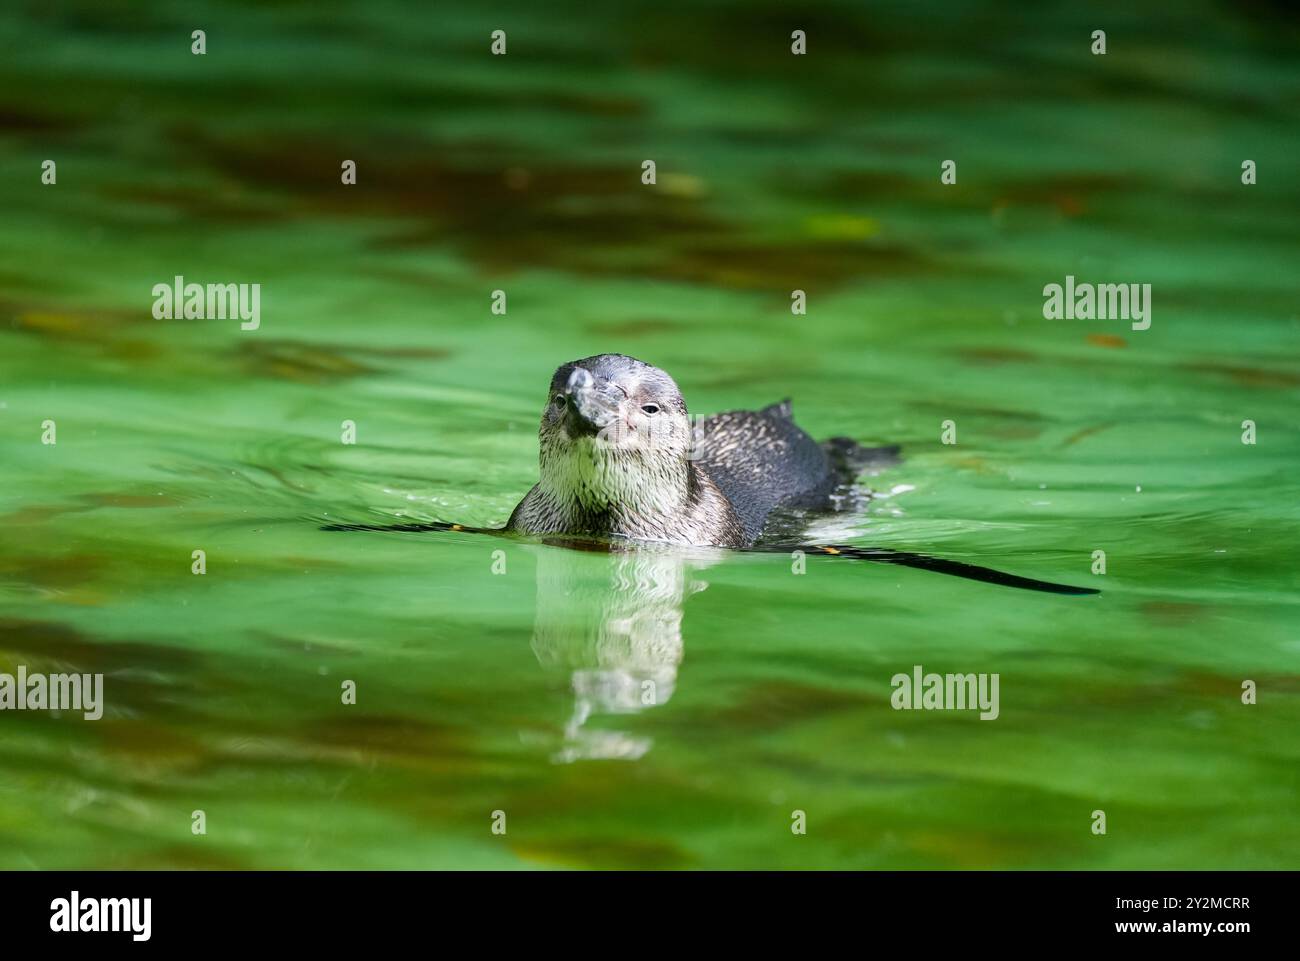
(521, 691)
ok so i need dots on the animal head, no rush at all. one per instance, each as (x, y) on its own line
(615, 434)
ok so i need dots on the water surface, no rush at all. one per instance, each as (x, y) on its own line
(523, 691)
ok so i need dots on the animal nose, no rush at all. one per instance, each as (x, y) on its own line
(593, 401)
(579, 380)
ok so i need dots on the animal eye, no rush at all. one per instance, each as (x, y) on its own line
(650, 408)
(558, 400)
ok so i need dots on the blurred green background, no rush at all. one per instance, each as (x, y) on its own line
(520, 692)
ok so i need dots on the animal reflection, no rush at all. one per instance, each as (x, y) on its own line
(619, 637)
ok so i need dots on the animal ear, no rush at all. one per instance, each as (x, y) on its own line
(783, 409)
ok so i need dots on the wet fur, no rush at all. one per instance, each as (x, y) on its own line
(745, 465)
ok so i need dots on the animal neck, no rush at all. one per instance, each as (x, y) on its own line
(590, 480)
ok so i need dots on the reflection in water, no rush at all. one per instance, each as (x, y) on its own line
(619, 637)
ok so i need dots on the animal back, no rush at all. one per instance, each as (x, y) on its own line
(761, 459)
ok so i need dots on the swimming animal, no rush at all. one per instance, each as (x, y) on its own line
(619, 457)
(621, 463)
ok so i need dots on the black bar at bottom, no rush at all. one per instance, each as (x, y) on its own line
(331, 910)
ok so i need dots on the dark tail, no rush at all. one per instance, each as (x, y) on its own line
(939, 565)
